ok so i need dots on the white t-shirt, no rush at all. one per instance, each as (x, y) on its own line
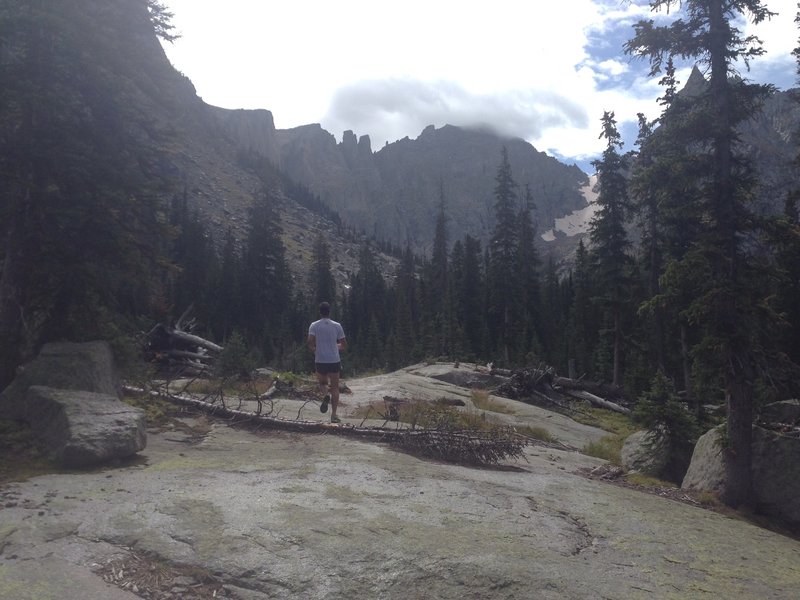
(326, 333)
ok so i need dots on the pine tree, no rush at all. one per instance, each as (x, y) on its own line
(439, 258)
(661, 412)
(403, 346)
(785, 238)
(366, 317)
(504, 244)
(438, 318)
(581, 319)
(265, 280)
(610, 245)
(528, 273)
(227, 313)
(668, 184)
(196, 263)
(646, 205)
(726, 305)
(469, 295)
(554, 313)
(321, 281)
(161, 18)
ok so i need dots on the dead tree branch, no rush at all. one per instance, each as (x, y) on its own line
(473, 447)
(541, 385)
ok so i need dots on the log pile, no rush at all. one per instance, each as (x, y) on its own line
(542, 386)
(177, 349)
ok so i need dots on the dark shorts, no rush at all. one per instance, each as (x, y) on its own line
(325, 368)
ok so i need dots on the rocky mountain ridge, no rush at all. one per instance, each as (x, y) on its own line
(394, 193)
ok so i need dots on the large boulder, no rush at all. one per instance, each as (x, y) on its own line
(775, 460)
(70, 397)
(87, 366)
(707, 469)
(786, 412)
(646, 452)
(83, 429)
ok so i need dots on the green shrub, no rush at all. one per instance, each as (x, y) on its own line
(235, 360)
(660, 409)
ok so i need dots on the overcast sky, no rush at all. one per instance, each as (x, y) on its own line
(541, 70)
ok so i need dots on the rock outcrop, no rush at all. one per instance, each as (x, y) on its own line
(69, 396)
(251, 130)
(646, 452)
(86, 366)
(775, 460)
(786, 412)
(707, 469)
(82, 429)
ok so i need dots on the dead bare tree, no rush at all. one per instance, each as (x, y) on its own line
(541, 385)
(175, 347)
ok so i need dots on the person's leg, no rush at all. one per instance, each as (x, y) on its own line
(322, 383)
(334, 391)
(322, 388)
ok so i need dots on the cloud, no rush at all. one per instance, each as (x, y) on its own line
(391, 109)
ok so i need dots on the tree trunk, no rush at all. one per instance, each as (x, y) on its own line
(617, 349)
(738, 382)
(11, 304)
(654, 290)
(738, 454)
(687, 370)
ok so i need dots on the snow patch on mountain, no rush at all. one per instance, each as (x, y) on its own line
(577, 221)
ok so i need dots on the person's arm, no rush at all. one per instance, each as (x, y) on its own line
(342, 344)
(312, 342)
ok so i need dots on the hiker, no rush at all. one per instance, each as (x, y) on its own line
(325, 340)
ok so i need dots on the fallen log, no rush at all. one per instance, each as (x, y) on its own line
(602, 390)
(453, 445)
(194, 340)
(191, 355)
(597, 401)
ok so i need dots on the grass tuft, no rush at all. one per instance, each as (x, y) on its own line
(608, 448)
(483, 401)
(648, 481)
(618, 425)
(607, 420)
(537, 433)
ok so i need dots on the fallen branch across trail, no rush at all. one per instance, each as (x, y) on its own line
(473, 447)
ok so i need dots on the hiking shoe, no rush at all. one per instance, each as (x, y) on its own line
(323, 408)
(335, 419)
